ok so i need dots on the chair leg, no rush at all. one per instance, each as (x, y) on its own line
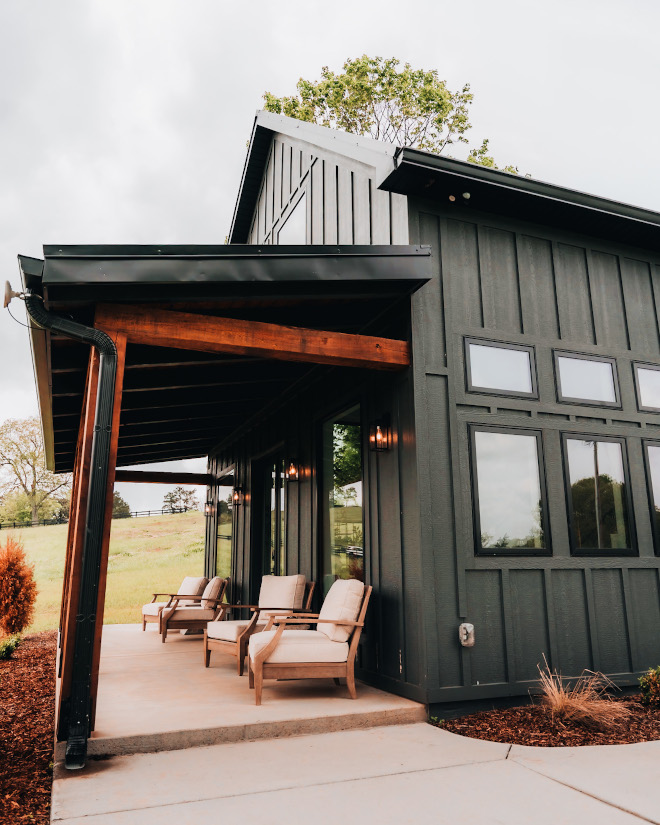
(350, 683)
(207, 652)
(337, 681)
(250, 676)
(163, 634)
(258, 683)
(144, 624)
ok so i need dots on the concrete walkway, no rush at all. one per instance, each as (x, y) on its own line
(406, 774)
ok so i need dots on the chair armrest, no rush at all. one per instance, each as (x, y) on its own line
(308, 620)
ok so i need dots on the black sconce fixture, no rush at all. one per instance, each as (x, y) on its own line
(237, 496)
(208, 508)
(380, 436)
(292, 472)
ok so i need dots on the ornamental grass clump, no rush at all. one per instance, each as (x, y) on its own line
(649, 684)
(586, 702)
(18, 590)
(9, 645)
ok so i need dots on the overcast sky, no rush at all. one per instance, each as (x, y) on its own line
(126, 121)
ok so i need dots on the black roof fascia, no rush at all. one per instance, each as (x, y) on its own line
(256, 159)
(430, 176)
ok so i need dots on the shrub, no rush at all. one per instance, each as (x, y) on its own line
(17, 587)
(9, 646)
(586, 703)
(650, 686)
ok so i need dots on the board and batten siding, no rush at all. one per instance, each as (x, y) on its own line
(520, 284)
(342, 203)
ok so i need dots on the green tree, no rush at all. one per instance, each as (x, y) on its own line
(23, 467)
(374, 96)
(181, 499)
(120, 507)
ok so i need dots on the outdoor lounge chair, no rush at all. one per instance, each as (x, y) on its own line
(178, 616)
(191, 586)
(277, 595)
(328, 652)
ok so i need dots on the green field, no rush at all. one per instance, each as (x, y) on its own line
(146, 554)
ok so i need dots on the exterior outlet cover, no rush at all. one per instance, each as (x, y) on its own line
(466, 634)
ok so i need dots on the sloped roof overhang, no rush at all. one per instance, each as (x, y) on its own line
(176, 404)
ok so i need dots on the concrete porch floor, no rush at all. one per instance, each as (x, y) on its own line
(155, 697)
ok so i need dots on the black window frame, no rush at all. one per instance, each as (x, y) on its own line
(655, 529)
(633, 550)
(587, 402)
(637, 365)
(488, 342)
(474, 485)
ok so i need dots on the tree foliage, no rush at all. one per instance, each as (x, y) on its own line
(120, 507)
(23, 469)
(376, 97)
(181, 499)
(18, 590)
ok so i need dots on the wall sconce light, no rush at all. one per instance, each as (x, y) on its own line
(379, 437)
(208, 508)
(292, 472)
(237, 496)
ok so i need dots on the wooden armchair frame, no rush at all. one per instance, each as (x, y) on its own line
(260, 669)
(168, 620)
(239, 647)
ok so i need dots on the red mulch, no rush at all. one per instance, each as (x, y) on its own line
(27, 710)
(533, 725)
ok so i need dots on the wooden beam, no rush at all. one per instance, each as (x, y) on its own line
(77, 520)
(147, 477)
(120, 343)
(203, 333)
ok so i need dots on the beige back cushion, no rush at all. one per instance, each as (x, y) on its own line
(212, 591)
(342, 603)
(192, 586)
(283, 592)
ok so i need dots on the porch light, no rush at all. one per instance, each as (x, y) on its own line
(237, 496)
(292, 472)
(208, 508)
(379, 437)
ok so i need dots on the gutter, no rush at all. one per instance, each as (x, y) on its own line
(75, 720)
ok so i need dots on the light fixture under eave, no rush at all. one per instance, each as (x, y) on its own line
(237, 496)
(9, 294)
(379, 437)
(208, 508)
(292, 472)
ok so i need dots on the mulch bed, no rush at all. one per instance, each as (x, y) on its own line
(533, 725)
(27, 709)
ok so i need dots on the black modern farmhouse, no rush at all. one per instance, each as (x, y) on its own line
(435, 377)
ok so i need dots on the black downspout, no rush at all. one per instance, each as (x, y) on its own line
(75, 721)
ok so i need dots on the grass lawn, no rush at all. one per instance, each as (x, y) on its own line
(146, 554)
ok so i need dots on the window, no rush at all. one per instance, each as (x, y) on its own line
(342, 510)
(509, 492)
(225, 523)
(586, 379)
(294, 230)
(598, 495)
(647, 381)
(502, 369)
(652, 456)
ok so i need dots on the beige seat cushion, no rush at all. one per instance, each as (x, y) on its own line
(212, 591)
(284, 592)
(300, 646)
(229, 631)
(342, 603)
(153, 608)
(192, 586)
(189, 613)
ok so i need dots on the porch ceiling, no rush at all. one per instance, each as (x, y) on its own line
(178, 403)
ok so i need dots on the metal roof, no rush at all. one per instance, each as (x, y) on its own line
(178, 404)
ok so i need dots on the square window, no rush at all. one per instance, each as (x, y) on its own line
(502, 369)
(584, 379)
(598, 496)
(509, 495)
(647, 379)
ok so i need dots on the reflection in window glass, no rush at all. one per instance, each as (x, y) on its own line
(275, 561)
(508, 491)
(500, 368)
(649, 387)
(223, 553)
(294, 230)
(586, 379)
(343, 530)
(654, 474)
(600, 516)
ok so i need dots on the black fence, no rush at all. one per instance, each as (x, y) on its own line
(14, 525)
